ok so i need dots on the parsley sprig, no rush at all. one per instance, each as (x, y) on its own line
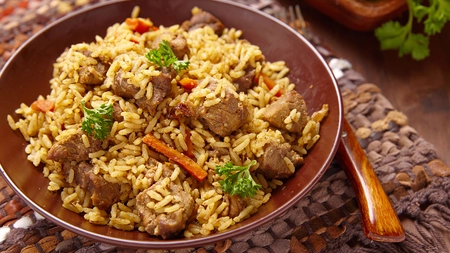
(164, 57)
(393, 35)
(97, 122)
(238, 180)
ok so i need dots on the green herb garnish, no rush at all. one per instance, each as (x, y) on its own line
(97, 122)
(238, 180)
(164, 57)
(392, 35)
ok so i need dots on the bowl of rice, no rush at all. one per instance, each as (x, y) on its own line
(166, 124)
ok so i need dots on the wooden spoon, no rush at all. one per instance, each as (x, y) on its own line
(379, 220)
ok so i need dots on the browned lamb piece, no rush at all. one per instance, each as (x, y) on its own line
(117, 112)
(280, 109)
(235, 205)
(225, 117)
(93, 74)
(103, 193)
(272, 163)
(152, 164)
(218, 152)
(202, 19)
(166, 225)
(72, 148)
(246, 81)
(122, 88)
(183, 109)
(162, 86)
(177, 43)
(72, 154)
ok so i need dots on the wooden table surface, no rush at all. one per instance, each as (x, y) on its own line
(419, 89)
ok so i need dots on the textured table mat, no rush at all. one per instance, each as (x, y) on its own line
(326, 220)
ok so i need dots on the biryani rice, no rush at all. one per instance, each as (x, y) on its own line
(211, 56)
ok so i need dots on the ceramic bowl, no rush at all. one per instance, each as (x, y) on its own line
(28, 72)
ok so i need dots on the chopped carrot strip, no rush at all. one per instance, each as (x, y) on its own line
(43, 105)
(188, 83)
(139, 25)
(134, 41)
(23, 4)
(7, 11)
(187, 163)
(269, 82)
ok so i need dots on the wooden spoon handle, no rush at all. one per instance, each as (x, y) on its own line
(379, 220)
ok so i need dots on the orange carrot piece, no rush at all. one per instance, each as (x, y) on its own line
(7, 11)
(269, 82)
(23, 4)
(188, 83)
(139, 25)
(187, 163)
(43, 105)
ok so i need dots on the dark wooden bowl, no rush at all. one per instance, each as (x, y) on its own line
(28, 72)
(360, 15)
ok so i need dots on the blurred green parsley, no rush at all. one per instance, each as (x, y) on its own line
(433, 16)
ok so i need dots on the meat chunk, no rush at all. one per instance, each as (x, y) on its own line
(165, 224)
(177, 43)
(272, 163)
(122, 88)
(245, 82)
(179, 46)
(117, 112)
(235, 205)
(162, 86)
(225, 117)
(182, 109)
(218, 152)
(201, 19)
(94, 74)
(72, 148)
(103, 193)
(279, 110)
(152, 165)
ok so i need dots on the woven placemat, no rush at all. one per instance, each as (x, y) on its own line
(326, 220)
